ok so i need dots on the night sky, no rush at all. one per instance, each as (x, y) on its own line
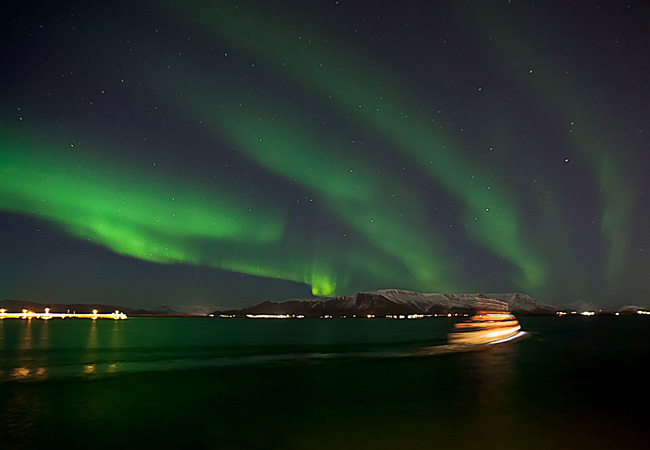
(229, 152)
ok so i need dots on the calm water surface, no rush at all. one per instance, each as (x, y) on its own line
(321, 384)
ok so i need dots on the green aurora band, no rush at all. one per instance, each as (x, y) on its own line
(320, 67)
(381, 227)
(147, 218)
(591, 136)
(168, 221)
(355, 195)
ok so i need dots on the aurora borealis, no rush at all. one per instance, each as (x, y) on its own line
(225, 153)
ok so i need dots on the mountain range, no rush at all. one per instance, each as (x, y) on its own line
(381, 303)
(393, 302)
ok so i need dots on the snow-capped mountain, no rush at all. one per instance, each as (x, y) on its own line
(394, 302)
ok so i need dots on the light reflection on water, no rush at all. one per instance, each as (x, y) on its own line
(77, 348)
(25, 361)
(56, 349)
(492, 377)
(355, 385)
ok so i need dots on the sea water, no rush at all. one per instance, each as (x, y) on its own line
(574, 382)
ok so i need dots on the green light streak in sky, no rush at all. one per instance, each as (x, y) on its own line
(289, 148)
(619, 204)
(162, 220)
(560, 249)
(321, 67)
(72, 190)
(591, 137)
(151, 218)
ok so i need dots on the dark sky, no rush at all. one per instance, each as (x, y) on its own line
(224, 153)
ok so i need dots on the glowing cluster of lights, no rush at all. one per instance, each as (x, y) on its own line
(407, 316)
(47, 315)
(504, 332)
(485, 333)
(508, 338)
(274, 316)
(493, 323)
(583, 313)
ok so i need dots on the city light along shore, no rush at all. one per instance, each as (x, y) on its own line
(47, 315)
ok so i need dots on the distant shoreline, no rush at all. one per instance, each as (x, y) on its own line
(386, 303)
